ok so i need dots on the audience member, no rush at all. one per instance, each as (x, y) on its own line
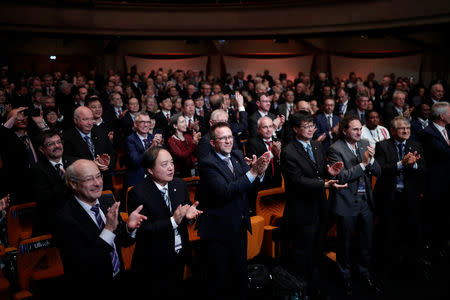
(372, 131)
(327, 124)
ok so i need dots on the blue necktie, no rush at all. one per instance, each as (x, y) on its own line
(178, 245)
(101, 225)
(310, 153)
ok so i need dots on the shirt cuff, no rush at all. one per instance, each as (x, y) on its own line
(399, 165)
(174, 224)
(241, 108)
(415, 166)
(250, 177)
(108, 237)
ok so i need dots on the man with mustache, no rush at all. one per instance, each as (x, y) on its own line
(47, 182)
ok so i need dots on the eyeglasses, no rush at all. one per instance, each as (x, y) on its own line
(225, 138)
(403, 128)
(308, 126)
(144, 122)
(89, 179)
(51, 144)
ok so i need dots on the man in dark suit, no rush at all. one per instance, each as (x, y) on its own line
(354, 203)
(225, 180)
(287, 108)
(362, 102)
(127, 122)
(304, 166)
(90, 234)
(342, 103)
(89, 142)
(163, 117)
(437, 93)
(194, 122)
(395, 108)
(420, 121)
(137, 87)
(47, 182)
(263, 102)
(436, 146)
(136, 144)
(162, 242)
(397, 194)
(327, 124)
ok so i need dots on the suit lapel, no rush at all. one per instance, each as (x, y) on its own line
(84, 219)
(159, 198)
(439, 135)
(223, 166)
(302, 151)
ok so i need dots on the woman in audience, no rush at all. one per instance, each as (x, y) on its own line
(150, 106)
(51, 118)
(182, 147)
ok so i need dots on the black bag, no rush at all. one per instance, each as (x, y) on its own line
(286, 286)
(259, 278)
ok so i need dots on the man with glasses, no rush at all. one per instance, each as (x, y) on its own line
(89, 142)
(47, 182)
(225, 180)
(263, 102)
(362, 102)
(397, 193)
(305, 169)
(89, 234)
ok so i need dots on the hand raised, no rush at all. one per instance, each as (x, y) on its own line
(179, 213)
(335, 169)
(193, 212)
(112, 217)
(135, 219)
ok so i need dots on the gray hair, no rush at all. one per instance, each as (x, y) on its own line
(438, 109)
(397, 120)
(398, 92)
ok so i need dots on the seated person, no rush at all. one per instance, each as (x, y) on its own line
(182, 147)
(372, 131)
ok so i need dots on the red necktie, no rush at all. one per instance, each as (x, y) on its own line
(269, 144)
(190, 124)
(168, 117)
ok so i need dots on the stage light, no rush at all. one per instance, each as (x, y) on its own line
(52, 57)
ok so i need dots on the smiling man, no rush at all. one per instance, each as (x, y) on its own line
(162, 242)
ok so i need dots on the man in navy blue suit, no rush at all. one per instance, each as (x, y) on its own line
(136, 144)
(327, 124)
(225, 180)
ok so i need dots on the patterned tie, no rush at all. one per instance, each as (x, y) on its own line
(401, 153)
(119, 111)
(269, 145)
(101, 225)
(168, 117)
(165, 195)
(400, 147)
(310, 153)
(90, 145)
(178, 245)
(58, 168)
(31, 157)
(341, 109)
(229, 164)
(330, 122)
(190, 124)
(146, 144)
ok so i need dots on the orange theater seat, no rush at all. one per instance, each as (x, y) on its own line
(38, 259)
(255, 239)
(192, 183)
(20, 223)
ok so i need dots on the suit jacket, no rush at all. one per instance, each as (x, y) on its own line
(322, 127)
(386, 154)
(437, 152)
(155, 238)
(138, 91)
(75, 147)
(87, 257)
(343, 202)
(163, 124)
(304, 180)
(257, 146)
(126, 124)
(417, 129)
(223, 197)
(282, 109)
(253, 122)
(389, 114)
(135, 152)
(50, 193)
(354, 112)
(241, 125)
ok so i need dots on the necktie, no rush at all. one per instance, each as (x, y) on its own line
(229, 164)
(165, 194)
(310, 153)
(59, 170)
(90, 145)
(114, 257)
(341, 109)
(444, 131)
(200, 111)
(146, 143)
(190, 124)
(31, 158)
(168, 117)
(400, 147)
(120, 112)
(330, 123)
(362, 118)
(269, 145)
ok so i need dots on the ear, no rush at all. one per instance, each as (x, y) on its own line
(72, 184)
(41, 149)
(150, 171)
(211, 142)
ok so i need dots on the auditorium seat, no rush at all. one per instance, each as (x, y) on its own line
(270, 206)
(20, 223)
(5, 287)
(38, 260)
(255, 239)
(126, 198)
(192, 183)
(106, 194)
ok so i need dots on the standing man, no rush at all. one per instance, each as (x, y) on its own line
(90, 234)
(354, 203)
(162, 242)
(303, 163)
(397, 193)
(225, 180)
(436, 146)
(362, 102)
(395, 108)
(327, 124)
(263, 102)
(47, 182)
(89, 142)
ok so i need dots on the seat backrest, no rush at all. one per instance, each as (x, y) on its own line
(126, 198)
(108, 194)
(270, 203)
(192, 183)
(20, 222)
(38, 258)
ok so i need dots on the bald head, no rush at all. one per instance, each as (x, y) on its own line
(83, 119)
(85, 179)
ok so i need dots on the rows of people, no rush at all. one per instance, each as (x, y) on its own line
(62, 139)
